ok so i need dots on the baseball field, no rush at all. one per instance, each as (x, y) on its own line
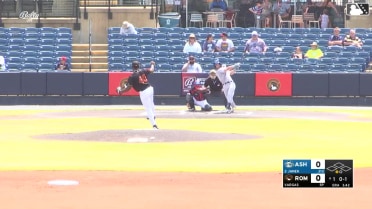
(94, 157)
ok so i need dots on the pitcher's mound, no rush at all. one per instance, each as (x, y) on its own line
(147, 135)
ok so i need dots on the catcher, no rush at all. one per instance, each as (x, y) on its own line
(196, 96)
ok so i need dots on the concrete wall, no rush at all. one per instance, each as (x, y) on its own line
(359, 21)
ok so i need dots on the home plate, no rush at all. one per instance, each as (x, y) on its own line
(63, 182)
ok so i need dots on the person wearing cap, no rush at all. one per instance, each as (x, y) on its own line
(191, 66)
(197, 97)
(224, 44)
(352, 39)
(62, 64)
(127, 28)
(255, 44)
(336, 39)
(214, 85)
(224, 74)
(282, 9)
(192, 45)
(314, 52)
(209, 45)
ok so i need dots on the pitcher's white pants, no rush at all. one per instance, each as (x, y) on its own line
(229, 91)
(147, 99)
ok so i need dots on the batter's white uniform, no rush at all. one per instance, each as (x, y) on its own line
(228, 85)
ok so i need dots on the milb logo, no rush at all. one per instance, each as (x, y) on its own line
(354, 9)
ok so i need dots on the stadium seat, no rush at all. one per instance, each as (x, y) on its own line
(326, 61)
(116, 60)
(16, 41)
(45, 41)
(62, 41)
(174, 36)
(311, 61)
(32, 36)
(116, 67)
(48, 36)
(251, 60)
(46, 67)
(63, 54)
(292, 67)
(32, 42)
(64, 30)
(63, 48)
(64, 36)
(48, 60)
(160, 42)
(47, 48)
(16, 48)
(115, 47)
(13, 66)
(259, 68)
(48, 53)
(160, 35)
(32, 60)
(48, 30)
(274, 67)
(161, 53)
(176, 48)
(116, 53)
(31, 54)
(4, 42)
(177, 60)
(164, 67)
(149, 54)
(342, 60)
(114, 30)
(115, 41)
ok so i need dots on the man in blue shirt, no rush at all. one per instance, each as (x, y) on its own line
(218, 4)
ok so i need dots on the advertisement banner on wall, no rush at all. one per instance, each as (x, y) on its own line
(117, 80)
(190, 78)
(273, 84)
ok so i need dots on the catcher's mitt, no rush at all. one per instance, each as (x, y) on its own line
(124, 86)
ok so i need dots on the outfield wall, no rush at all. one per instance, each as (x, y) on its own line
(91, 88)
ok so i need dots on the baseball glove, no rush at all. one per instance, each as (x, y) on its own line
(124, 86)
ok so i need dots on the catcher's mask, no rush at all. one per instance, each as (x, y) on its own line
(135, 66)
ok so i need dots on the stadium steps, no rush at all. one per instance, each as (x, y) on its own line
(80, 58)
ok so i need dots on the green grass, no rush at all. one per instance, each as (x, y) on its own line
(280, 139)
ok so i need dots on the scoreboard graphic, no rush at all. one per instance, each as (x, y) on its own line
(324, 173)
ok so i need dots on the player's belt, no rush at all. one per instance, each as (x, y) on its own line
(227, 82)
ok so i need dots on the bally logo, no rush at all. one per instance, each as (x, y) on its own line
(273, 85)
(188, 81)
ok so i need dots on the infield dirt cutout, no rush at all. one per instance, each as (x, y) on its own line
(155, 190)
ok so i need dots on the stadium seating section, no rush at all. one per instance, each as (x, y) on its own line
(34, 49)
(165, 45)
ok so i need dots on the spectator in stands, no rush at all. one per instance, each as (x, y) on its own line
(2, 63)
(209, 45)
(224, 44)
(127, 28)
(283, 9)
(324, 19)
(267, 8)
(257, 11)
(218, 4)
(332, 11)
(314, 52)
(255, 44)
(352, 39)
(336, 38)
(191, 66)
(62, 64)
(192, 45)
(298, 54)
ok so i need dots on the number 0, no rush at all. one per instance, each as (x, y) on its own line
(317, 164)
(318, 177)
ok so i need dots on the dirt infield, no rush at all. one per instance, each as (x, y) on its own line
(139, 190)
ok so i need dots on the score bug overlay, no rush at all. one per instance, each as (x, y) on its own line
(323, 173)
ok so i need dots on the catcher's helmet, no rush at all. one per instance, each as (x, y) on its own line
(135, 65)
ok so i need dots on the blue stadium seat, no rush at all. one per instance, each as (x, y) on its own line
(4, 30)
(32, 60)
(251, 60)
(64, 30)
(48, 42)
(283, 54)
(363, 54)
(130, 41)
(259, 68)
(326, 61)
(115, 41)
(48, 30)
(279, 36)
(47, 48)
(322, 42)
(16, 41)
(32, 42)
(342, 60)
(130, 36)
(307, 68)
(292, 67)
(46, 67)
(116, 53)
(294, 36)
(164, 67)
(359, 60)
(15, 48)
(32, 36)
(298, 62)
(14, 60)
(132, 54)
(115, 47)
(177, 36)
(48, 36)
(245, 67)
(177, 48)
(115, 36)
(310, 36)
(160, 42)
(178, 42)
(116, 60)
(347, 54)
(146, 36)
(159, 53)
(64, 36)
(4, 42)
(148, 47)
(64, 41)
(266, 60)
(114, 30)
(16, 30)
(164, 30)
(131, 47)
(274, 67)
(67, 48)
(147, 54)
(31, 54)
(48, 53)
(281, 61)
(47, 60)
(160, 35)
(206, 60)
(13, 66)
(354, 68)
(116, 67)
(177, 60)
(63, 53)
(161, 60)
(336, 49)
